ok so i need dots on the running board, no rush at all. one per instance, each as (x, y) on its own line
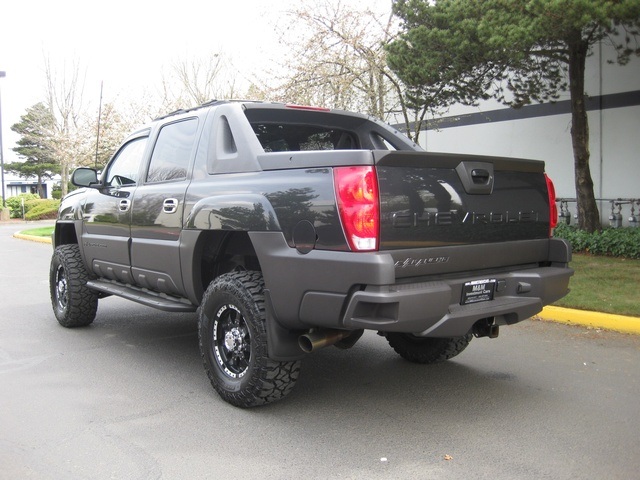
(160, 301)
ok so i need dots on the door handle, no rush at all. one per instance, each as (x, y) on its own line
(480, 175)
(123, 205)
(170, 205)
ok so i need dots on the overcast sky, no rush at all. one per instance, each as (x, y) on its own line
(127, 44)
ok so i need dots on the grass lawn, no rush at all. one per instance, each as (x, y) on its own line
(600, 284)
(38, 232)
(604, 284)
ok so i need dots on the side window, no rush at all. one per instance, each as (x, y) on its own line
(172, 152)
(124, 168)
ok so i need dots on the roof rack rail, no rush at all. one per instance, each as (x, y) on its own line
(210, 103)
(187, 110)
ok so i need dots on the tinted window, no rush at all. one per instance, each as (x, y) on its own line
(124, 167)
(279, 137)
(172, 152)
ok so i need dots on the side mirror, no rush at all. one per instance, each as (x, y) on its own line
(84, 177)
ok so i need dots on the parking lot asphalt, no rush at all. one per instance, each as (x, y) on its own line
(606, 321)
(127, 398)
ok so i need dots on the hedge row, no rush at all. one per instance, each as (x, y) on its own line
(43, 209)
(35, 208)
(612, 242)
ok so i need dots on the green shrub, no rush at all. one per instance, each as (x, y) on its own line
(612, 242)
(32, 202)
(42, 209)
(15, 203)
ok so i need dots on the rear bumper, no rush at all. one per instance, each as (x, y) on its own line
(352, 291)
(433, 308)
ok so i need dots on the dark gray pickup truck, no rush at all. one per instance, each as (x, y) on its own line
(291, 228)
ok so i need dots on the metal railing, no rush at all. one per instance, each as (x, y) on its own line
(617, 219)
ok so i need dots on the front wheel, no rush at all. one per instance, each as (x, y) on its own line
(74, 304)
(233, 343)
(427, 350)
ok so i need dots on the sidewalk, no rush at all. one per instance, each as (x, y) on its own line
(26, 224)
(606, 321)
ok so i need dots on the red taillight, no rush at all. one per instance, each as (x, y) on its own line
(358, 204)
(553, 208)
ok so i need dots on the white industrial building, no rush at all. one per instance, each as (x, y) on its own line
(14, 185)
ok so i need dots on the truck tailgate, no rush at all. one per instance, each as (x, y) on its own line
(432, 200)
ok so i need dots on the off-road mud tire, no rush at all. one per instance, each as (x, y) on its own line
(233, 343)
(74, 304)
(427, 350)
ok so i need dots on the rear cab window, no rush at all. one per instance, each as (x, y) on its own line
(288, 137)
(283, 129)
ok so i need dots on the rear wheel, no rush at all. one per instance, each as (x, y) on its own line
(74, 304)
(427, 350)
(233, 343)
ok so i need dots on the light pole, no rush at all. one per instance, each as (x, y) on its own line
(4, 202)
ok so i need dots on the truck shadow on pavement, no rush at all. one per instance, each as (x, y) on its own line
(365, 403)
(372, 373)
(369, 375)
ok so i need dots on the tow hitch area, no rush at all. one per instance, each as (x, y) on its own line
(486, 328)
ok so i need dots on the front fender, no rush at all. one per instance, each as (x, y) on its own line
(72, 206)
(243, 212)
(69, 221)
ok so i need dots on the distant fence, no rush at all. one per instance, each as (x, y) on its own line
(625, 212)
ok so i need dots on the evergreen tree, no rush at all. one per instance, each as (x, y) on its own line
(34, 146)
(516, 51)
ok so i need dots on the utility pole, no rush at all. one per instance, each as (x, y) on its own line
(4, 201)
(98, 133)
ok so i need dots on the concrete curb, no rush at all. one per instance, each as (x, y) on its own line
(31, 238)
(607, 321)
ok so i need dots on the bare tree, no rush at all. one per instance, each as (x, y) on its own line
(113, 125)
(196, 81)
(64, 92)
(337, 59)
(331, 59)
